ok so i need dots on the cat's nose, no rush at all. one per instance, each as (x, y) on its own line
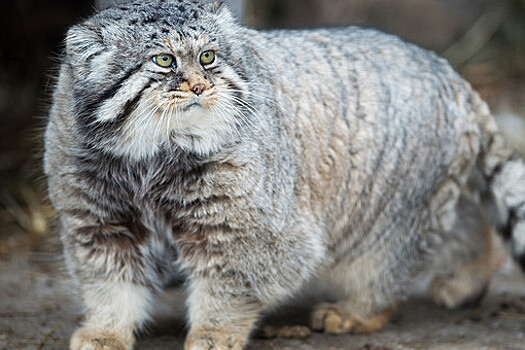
(198, 88)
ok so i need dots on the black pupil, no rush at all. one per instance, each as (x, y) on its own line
(207, 54)
(165, 58)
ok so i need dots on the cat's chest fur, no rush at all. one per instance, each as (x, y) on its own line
(188, 193)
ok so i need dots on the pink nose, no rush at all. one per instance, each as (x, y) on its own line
(198, 88)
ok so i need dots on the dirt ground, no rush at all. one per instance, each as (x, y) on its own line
(39, 310)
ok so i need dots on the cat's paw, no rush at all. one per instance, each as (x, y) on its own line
(332, 318)
(214, 340)
(455, 293)
(89, 339)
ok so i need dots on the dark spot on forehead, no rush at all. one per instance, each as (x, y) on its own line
(180, 15)
(149, 19)
(153, 36)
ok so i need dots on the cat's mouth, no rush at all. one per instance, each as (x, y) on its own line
(181, 103)
(191, 105)
(205, 102)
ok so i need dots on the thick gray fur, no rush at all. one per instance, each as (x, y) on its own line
(343, 155)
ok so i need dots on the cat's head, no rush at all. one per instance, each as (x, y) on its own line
(151, 73)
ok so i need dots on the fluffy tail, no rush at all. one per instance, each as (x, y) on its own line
(505, 176)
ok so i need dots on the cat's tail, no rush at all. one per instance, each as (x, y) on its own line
(504, 173)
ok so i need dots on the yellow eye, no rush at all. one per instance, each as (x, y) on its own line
(207, 57)
(164, 60)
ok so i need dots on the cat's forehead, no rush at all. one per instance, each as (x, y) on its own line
(156, 19)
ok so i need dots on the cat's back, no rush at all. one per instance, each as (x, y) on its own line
(355, 58)
(354, 75)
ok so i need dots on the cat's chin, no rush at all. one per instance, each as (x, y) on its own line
(191, 106)
(201, 130)
(195, 128)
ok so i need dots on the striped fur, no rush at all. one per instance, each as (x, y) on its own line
(343, 155)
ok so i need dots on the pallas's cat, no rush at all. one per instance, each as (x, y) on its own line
(257, 163)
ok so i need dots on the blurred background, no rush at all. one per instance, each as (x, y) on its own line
(483, 39)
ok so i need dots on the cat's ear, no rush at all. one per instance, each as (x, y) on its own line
(222, 10)
(82, 43)
(219, 6)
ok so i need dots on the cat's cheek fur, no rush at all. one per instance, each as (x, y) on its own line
(142, 134)
(114, 107)
(200, 130)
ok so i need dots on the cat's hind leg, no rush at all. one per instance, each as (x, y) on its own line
(467, 257)
(367, 293)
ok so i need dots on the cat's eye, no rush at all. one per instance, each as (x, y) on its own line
(164, 60)
(207, 57)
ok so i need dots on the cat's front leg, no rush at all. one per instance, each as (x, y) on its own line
(114, 311)
(222, 312)
(115, 280)
(233, 276)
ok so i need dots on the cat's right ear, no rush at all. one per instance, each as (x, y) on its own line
(221, 9)
(82, 43)
(217, 4)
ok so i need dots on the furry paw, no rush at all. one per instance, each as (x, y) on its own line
(455, 293)
(332, 318)
(89, 339)
(216, 340)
